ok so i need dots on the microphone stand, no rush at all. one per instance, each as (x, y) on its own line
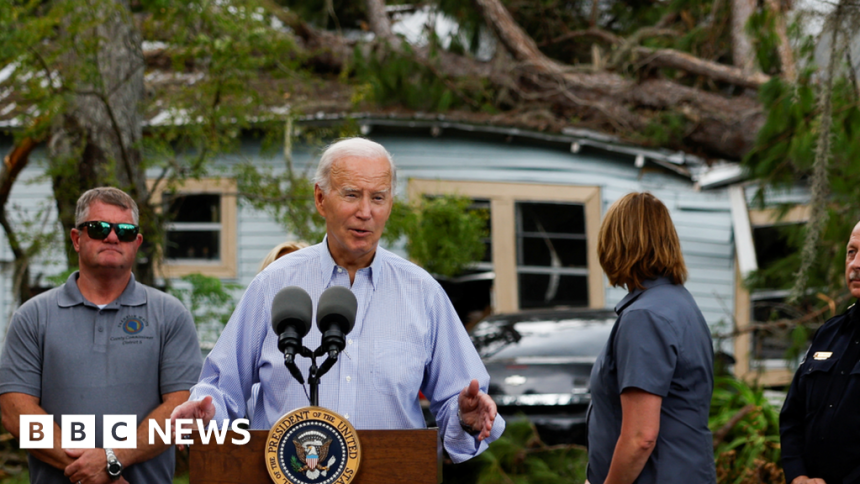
(315, 372)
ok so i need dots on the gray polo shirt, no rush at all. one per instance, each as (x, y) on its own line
(79, 359)
(662, 345)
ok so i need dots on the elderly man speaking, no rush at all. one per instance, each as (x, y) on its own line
(406, 338)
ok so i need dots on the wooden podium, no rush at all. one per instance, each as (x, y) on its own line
(388, 456)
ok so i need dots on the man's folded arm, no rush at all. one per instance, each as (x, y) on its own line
(12, 406)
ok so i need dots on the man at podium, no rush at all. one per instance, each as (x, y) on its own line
(407, 336)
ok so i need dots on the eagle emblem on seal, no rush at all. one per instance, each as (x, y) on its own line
(312, 450)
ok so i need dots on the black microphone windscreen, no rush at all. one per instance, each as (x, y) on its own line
(292, 304)
(338, 303)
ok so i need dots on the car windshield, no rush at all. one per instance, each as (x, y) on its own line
(564, 338)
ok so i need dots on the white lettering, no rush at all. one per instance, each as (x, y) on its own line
(206, 433)
(183, 427)
(36, 431)
(236, 426)
(164, 433)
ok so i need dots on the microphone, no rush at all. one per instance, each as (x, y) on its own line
(336, 318)
(292, 312)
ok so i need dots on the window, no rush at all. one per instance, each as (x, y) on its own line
(195, 233)
(761, 354)
(543, 247)
(552, 256)
(201, 236)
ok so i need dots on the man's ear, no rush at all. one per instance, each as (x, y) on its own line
(75, 235)
(319, 197)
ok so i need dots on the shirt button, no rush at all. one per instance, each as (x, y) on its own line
(101, 330)
(349, 341)
(346, 416)
(831, 406)
(339, 270)
(349, 379)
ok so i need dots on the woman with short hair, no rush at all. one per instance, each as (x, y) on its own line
(651, 385)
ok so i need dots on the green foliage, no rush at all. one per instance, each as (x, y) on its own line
(288, 200)
(666, 129)
(520, 457)
(443, 235)
(750, 451)
(783, 157)
(399, 79)
(233, 53)
(209, 300)
(760, 28)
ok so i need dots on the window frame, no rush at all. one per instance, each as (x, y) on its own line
(503, 197)
(745, 368)
(226, 267)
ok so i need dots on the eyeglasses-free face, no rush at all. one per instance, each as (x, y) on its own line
(99, 230)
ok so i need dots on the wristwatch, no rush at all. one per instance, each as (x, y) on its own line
(114, 466)
(468, 428)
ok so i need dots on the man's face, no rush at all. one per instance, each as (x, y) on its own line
(852, 262)
(356, 207)
(110, 253)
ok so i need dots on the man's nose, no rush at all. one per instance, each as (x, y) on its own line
(112, 238)
(363, 209)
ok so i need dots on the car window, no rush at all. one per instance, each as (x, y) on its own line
(566, 338)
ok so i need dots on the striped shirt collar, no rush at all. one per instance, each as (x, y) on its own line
(328, 267)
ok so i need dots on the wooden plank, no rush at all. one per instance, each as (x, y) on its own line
(387, 457)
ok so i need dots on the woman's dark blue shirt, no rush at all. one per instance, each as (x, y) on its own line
(662, 345)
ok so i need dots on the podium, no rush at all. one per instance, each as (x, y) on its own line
(388, 457)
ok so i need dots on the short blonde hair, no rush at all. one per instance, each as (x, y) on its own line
(281, 250)
(638, 241)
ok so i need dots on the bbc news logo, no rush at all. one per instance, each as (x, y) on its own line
(120, 431)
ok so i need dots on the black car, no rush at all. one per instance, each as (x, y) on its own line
(540, 365)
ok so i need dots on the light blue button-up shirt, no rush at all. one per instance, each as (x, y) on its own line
(407, 337)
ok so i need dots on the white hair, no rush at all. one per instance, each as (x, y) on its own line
(351, 148)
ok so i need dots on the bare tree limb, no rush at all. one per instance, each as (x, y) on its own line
(723, 431)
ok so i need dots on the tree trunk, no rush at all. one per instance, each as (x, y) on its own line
(377, 17)
(743, 53)
(97, 141)
(786, 55)
(13, 163)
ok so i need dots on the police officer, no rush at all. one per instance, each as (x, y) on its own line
(820, 423)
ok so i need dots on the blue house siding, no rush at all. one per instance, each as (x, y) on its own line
(702, 218)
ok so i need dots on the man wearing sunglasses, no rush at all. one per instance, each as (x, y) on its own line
(100, 344)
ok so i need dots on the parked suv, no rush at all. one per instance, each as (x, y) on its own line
(540, 365)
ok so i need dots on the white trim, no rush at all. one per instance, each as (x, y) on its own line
(744, 245)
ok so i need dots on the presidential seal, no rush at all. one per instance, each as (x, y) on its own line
(312, 445)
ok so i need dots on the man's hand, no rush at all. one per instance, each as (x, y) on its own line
(90, 466)
(807, 480)
(477, 409)
(193, 409)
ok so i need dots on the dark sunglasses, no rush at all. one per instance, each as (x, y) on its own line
(99, 230)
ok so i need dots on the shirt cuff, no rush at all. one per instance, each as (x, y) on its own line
(462, 446)
(793, 468)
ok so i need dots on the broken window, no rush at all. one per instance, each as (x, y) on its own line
(552, 258)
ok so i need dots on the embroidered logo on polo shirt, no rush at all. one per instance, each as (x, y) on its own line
(133, 330)
(133, 324)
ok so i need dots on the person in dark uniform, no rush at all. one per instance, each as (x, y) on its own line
(819, 425)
